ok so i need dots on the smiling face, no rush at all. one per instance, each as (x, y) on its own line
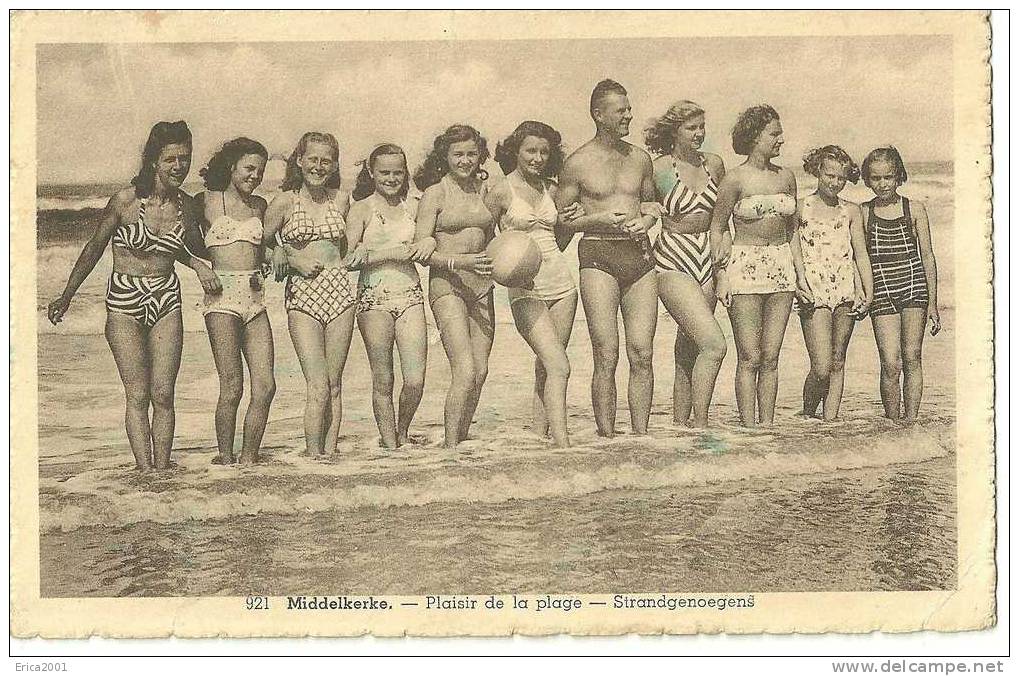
(532, 158)
(613, 114)
(690, 134)
(247, 173)
(831, 178)
(770, 140)
(390, 174)
(318, 163)
(463, 158)
(882, 178)
(173, 164)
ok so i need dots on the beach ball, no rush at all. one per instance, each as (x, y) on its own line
(515, 258)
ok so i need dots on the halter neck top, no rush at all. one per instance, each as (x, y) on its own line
(521, 215)
(137, 237)
(301, 229)
(227, 230)
(682, 200)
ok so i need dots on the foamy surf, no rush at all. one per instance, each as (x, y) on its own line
(291, 483)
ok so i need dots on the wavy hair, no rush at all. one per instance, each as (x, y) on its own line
(216, 174)
(436, 164)
(812, 161)
(365, 185)
(161, 135)
(660, 132)
(749, 125)
(293, 179)
(889, 154)
(506, 152)
(602, 90)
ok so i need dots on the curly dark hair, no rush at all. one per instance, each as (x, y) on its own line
(216, 174)
(436, 164)
(813, 159)
(161, 135)
(507, 151)
(749, 125)
(660, 132)
(889, 154)
(294, 177)
(365, 185)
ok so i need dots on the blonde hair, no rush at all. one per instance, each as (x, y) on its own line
(660, 132)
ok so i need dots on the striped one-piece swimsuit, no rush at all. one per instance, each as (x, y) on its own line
(146, 299)
(899, 278)
(689, 253)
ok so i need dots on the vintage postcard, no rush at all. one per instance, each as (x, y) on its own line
(478, 323)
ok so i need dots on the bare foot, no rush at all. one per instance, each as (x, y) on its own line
(221, 459)
(249, 458)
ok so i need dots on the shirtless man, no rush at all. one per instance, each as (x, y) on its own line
(611, 178)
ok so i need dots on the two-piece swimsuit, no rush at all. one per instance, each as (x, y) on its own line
(462, 213)
(899, 277)
(762, 268)
(243, 294)
(389, 286)
(147, 298)
(329, 294)
(553, 281)
(689, 253)
(827, 252)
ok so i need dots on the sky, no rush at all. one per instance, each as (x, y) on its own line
(96, 102)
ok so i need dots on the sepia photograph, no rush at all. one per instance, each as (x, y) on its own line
(625, 323)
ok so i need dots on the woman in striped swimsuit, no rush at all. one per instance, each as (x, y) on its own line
(905, 281)
(305, 223)
(686, 180)
(148, 224)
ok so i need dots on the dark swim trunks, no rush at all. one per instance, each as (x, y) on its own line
(624, 259)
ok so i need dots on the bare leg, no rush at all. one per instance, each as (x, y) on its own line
(378, 330)
(309, 338)
(225, 339)
(599, 292)
(776, 319)
(130, 351)
(640, 317)
(165, 340)
(412, 342)
(450, 314)
(914, 321)
(259, 353)
(746, 315)
(481, 323)
(563, 313)
(887, 332)
(337, 337)
(842, 330)
(534, 322)
(817, 335)
(702, 340)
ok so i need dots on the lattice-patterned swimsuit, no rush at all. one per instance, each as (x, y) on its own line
(329, 294)
(146, 299)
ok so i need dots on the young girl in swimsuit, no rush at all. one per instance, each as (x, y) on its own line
(543, 314)
(837, 275)
(305, 223)
(238, 325)
(905, 281)
(152, 223)
(686, 181)
(380, 230)
(453, 228)
(758, 265)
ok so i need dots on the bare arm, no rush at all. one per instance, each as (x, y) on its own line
(721, 239)
(930, 264)
(858, 239)
(195, 252)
